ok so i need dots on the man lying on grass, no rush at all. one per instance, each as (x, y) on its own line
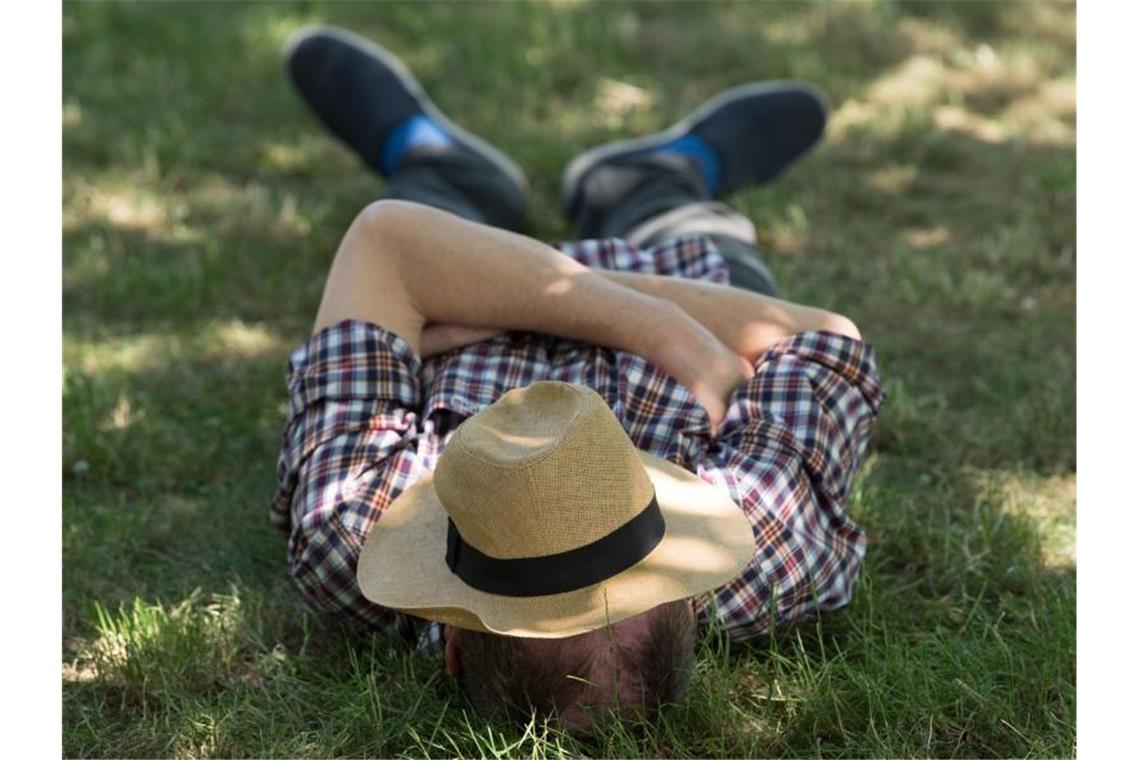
(550, 465)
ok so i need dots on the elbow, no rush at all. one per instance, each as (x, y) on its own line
(384, 218)
(385, 229)
(837, 323)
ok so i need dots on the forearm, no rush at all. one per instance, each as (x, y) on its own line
(746, 322)
(415, 266)
(404, 267)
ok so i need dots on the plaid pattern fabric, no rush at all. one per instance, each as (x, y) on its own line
(367, 418)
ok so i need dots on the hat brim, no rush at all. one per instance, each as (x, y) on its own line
(708, 542)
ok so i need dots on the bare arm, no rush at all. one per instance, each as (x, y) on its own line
(746, 322)
(405, 266)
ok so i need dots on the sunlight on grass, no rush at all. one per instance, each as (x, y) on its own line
(276, 29)
(918, 81)
(893, 179)
(140, 203)
(239, 339)
(989, 94)
(128, 353)
(252, 206)
(921, 238)
(1048, 115)
(927, 36)
(197, 737)
(850, 117)
(956, 119)
(282, 157)
(790, 31)
(300, 156)
(72, 114)
(126, 204)
(1047, 22)
(122, 416)
(147, 648)
(615, 101)
(81, 673)
(141, 352)
(981, 72)
(1050, 502)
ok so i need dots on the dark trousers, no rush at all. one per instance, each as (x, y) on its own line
(645, 201)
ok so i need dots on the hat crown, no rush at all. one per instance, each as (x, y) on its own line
(545, 469)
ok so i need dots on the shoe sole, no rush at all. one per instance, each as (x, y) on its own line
(389, 59)
(586, 161)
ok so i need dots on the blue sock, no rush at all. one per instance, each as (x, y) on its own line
(695, 147)
(414, 132)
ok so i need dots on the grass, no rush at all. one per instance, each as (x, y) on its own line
(201, 208)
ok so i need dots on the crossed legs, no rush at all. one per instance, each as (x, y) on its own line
(646, 190)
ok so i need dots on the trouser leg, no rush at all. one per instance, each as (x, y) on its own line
(462, 184)
(651, 199)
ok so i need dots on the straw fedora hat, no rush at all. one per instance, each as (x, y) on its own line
(543, 520)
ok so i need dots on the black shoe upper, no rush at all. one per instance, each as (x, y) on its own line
(755, 131)
(353, 93)
(757, 137)
(362, 93)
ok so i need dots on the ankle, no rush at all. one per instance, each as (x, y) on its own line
(695, 148)
(414, 133)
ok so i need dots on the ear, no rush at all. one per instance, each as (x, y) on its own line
(451, 654)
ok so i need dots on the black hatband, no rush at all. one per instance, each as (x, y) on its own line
(556, 573)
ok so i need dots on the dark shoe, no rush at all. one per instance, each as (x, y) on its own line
(744, 136)
(367, 97)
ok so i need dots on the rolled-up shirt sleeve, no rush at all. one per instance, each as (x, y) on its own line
(791, 443)
(349, 448)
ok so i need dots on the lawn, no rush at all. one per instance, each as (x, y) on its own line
(201, 208)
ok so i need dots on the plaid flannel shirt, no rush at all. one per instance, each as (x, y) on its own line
(368, 417)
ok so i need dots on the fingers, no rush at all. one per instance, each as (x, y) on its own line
(716, 410)
(713, 396)
(715, 389)
(747, 371)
